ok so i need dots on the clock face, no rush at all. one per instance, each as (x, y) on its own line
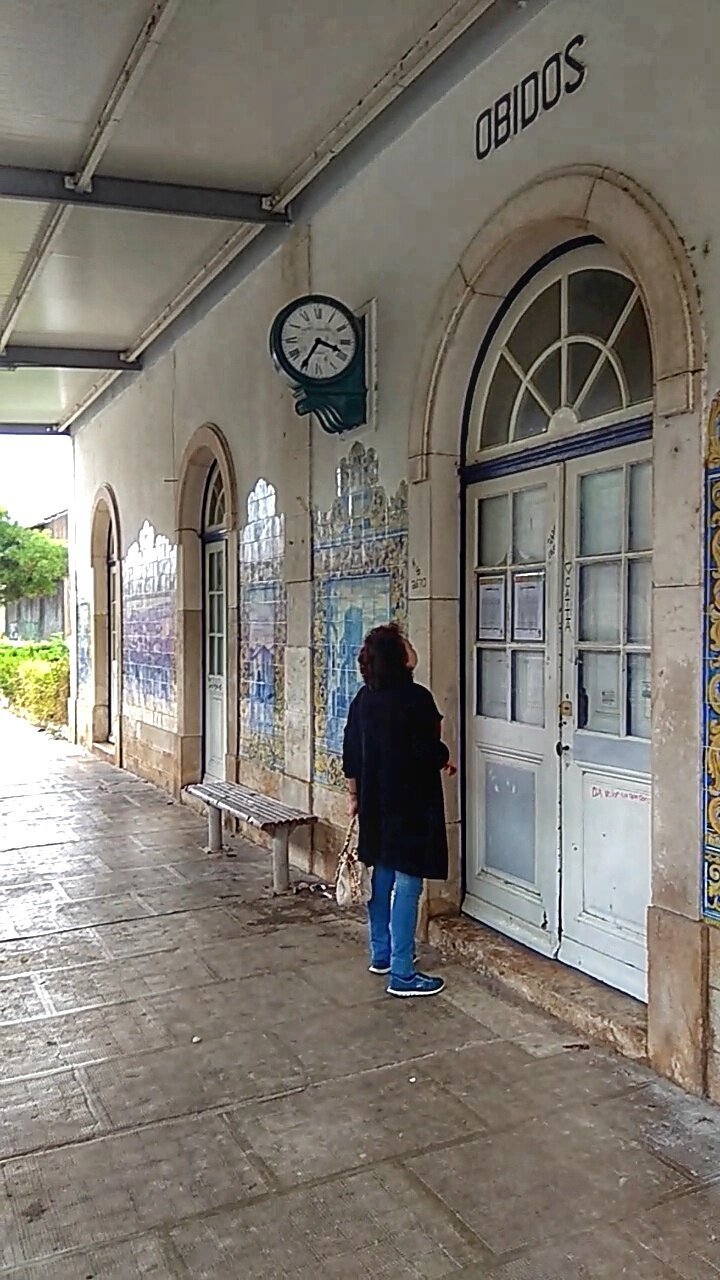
(318, 339)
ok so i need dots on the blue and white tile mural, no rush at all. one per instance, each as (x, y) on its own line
(360, 571)
(82, 651)
(148, 636)
(263, 630)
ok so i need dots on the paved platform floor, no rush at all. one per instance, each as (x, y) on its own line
(197, 1080)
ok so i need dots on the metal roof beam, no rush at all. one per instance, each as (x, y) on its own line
(30, 429)
(49, 186)
(18, 357)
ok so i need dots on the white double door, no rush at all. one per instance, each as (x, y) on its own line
(559, 570)
(215, 659)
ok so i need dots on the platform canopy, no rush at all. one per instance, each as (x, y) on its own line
(144, 146)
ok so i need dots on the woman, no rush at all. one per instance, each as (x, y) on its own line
(392, 759)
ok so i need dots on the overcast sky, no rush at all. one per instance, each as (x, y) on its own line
(35, 476)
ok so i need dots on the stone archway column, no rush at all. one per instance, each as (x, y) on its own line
(556, 208)
(104, 518)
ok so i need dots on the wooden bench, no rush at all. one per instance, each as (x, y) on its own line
(270, 816)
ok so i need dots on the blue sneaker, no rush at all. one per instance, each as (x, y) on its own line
(420, 984)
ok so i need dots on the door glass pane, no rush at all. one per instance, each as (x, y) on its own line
(528, 691)
(599, 692)
(582, 358)
(641, 507)
(529, 525)
(595, 301)
(537, 329)
(601, 513)
(600, 603)
(639, 701)
(499, 404)
(547, 380)
(604, 395)
(494, 532)
(492, 672)
(633, 348)
(531, 420)
(639, 594)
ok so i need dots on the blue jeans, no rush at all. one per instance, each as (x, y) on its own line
(392, 916)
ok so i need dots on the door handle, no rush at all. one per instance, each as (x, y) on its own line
(560, 749)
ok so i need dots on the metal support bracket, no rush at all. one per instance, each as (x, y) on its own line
(48, 186)
(20, 357)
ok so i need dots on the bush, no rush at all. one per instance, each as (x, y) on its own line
(35, 679)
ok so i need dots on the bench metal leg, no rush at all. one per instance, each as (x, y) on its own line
(214, 830)
(281, 861)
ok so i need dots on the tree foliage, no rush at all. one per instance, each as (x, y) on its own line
(31, 563)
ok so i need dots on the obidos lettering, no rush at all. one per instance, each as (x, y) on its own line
(561, 74)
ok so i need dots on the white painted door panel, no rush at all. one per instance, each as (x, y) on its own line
(215, 620)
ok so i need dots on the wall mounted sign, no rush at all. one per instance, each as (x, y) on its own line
(539, 91)
(318, 345)
(528, 607)
(491, 609)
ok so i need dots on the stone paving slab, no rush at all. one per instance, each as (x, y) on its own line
(95, 985)
(109, 1188)
(373, 1223)
(144, 1259)
(199, 1080)
(45, 1111)
(517, 1188)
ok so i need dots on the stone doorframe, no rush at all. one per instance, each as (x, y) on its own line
(206, 448)
(537, 219)
(104, 517)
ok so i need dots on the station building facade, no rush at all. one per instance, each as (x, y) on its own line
(535, 495)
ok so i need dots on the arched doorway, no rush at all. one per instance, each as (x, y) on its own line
(207, 610)
(558, 554)
(106, 624)
(215, 625)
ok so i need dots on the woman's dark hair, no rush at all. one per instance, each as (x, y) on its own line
(383, 659)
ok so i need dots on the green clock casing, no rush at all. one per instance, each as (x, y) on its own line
(315, 341)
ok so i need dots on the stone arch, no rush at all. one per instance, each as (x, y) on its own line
(206, 448)
(538, 218)
(107, 688)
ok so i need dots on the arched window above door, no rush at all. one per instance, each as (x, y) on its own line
(214, 510)
(573, 349)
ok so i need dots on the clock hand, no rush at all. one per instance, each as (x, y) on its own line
(311, 353)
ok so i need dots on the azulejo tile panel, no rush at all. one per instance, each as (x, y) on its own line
(83, 658)
(360, 552)
(148, 635)
(263, 630)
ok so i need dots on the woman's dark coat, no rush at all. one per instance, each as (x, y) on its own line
(393, 751)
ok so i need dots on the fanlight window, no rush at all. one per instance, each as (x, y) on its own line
(214, 515)
(580, 350)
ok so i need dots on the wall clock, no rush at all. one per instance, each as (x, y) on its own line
(318, 345)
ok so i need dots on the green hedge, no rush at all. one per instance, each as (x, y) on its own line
(35, 680)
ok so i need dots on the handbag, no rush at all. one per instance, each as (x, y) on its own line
(353, 885)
